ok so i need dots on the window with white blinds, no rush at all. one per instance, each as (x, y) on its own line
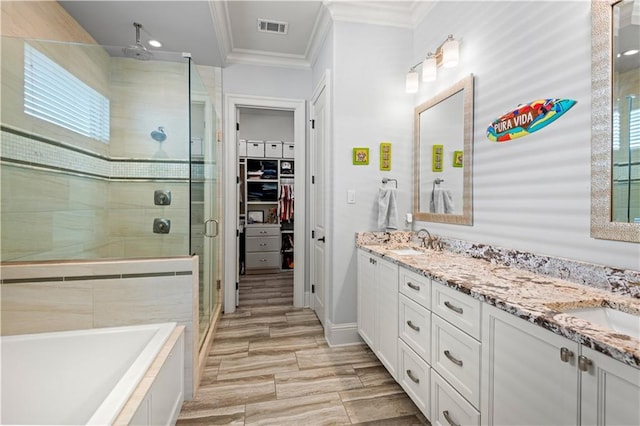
(634, 129)
(53, 94)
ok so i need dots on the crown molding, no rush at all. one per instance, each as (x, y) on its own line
(320, 30)
(258, 57)
(396, 14)
(222, 27)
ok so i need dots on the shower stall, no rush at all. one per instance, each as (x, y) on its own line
(626, 160)
(105, 156)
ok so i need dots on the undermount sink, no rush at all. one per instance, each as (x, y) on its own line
(621, 322)
(405, 251)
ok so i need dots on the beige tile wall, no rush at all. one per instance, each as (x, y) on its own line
(94, 294)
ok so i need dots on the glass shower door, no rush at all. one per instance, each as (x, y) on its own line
(205, 227)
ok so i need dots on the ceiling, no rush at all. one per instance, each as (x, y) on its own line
(219, 33)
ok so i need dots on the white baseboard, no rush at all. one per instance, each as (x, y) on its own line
(342, 334)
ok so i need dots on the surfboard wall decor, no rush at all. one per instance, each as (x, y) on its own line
(527, 119)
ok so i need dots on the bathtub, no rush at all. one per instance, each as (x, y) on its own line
(97, 376)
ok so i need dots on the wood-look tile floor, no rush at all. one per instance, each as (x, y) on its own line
(270, 365)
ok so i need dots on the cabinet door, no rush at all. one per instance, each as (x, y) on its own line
(386, 315)
(524, 380)
(610, 391)
(366, 297)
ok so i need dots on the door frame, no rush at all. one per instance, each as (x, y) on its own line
(324, 85)
(230, 218)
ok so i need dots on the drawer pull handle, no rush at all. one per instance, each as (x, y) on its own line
(445, 413)
(263, 260)
(584, 363)
(565, 354)
(413, 378)
(413, 286)
(453, 308)
(415, 327)
(263, 244)
(452, 359)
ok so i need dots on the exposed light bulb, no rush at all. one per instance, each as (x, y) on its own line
(154, 43)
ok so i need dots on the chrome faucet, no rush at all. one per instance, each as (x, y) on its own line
(426, 239)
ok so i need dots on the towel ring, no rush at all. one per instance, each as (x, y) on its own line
(385, 180)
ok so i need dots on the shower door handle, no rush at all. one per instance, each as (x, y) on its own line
(206, 234)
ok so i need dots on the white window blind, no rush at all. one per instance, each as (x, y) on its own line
(634, 129)
(53, 94)
(615, 128)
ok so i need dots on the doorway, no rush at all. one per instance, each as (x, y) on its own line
(233, 226)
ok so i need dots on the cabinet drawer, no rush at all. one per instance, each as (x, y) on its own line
(263, 260)
(459, 309)
(255, 244)
(456, 356)
(414, 375)
(262, 231)
(416, 287)
(415, 327)
(448, 407)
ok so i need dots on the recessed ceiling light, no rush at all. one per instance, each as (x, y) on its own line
(154, 43)
(630, 52)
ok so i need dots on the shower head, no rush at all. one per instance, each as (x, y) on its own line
(137, 51)
(159, 135)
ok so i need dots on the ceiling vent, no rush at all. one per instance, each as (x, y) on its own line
(273, 27)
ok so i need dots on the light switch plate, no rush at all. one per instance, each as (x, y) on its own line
(351, 196)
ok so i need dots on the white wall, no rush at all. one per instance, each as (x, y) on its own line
(533, 193)
(266, 81)
(369, 106)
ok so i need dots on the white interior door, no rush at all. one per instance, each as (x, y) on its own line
(319, 132)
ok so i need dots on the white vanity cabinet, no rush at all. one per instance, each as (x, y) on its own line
(534, 376)
(528, 373)
(377, 306)
(610, 391)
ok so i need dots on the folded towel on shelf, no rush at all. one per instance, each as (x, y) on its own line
(387, 209)
(441, 201)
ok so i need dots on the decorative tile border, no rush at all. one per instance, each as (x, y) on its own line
(619, 281)
(26, 150)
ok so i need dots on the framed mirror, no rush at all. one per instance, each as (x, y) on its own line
(443, 156)
(615, 104)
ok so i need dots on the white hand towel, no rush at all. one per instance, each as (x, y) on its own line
(387, 209)
(441, 201)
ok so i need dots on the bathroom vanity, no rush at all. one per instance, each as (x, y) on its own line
(482, 343)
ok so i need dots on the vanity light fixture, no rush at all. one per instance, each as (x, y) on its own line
(447, 55)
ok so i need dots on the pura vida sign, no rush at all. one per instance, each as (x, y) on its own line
(527, 118)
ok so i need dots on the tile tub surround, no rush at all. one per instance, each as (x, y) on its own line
(534, 297)
(56, 296)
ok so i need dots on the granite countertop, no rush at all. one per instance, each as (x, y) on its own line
(537, 298)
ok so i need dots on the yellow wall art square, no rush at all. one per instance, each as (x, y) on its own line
(360, 156)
